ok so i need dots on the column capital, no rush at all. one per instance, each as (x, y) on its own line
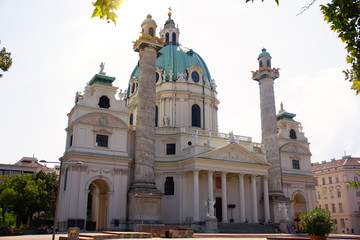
(224, 173)
(266, 177)
(241, 174)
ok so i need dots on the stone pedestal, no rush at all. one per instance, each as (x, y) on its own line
(211, 224)
(144, 208)
(284, 225)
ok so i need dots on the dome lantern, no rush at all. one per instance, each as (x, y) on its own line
(149, 26)
(170, 32)
(264, 59)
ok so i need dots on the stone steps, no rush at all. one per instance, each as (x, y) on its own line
(245, 228)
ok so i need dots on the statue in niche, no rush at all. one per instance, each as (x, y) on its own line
(210, 207)
(166, 120)
(284, 211)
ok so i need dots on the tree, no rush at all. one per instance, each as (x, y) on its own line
(5, 60)
(344, 18)
(24, 194)
(354, 184)
(105, 9)
(48, 202)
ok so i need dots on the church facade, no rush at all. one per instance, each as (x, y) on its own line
(153, 154)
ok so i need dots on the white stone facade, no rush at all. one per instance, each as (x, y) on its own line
(194, 163)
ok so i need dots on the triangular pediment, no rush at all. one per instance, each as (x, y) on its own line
(235, 153)
(294, 147)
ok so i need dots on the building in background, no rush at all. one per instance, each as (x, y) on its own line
(333, 194)
(28, 165)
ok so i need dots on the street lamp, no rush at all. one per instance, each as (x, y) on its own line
(79, 163)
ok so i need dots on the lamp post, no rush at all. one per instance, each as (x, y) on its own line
(57, 196)
(58, 190)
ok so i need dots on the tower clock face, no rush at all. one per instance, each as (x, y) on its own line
(195, 76)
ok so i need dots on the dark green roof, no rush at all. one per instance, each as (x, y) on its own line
(102, 79)
(177, 59)
(283, 115)
(264, 53)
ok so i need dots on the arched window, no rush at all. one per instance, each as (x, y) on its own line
(133, 88)
(260, 64)
(292, 134)
(173, 38)
(195, 116)
(166, 39)
(268, 64)
(104, 102)
(151, 31)
(131, 120)
(156, 116)
(169, 186)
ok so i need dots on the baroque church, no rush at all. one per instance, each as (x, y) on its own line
(153, 155)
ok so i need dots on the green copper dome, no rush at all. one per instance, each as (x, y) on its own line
(263, 53)
(148, 19)
(177, 59)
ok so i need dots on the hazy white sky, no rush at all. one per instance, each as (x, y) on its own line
(56, 49)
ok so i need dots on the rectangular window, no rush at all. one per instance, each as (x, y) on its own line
(357, 192)
(71, 140)
(342, 221)
(218, 182)
(296, 164)
(356, 179)
(318, 194)
(338, 192)
(330, 180)
(170, 149)
(323, 181)
(332, 193)
(340, 207)
(335, 221)
(333, 208)
(326, 207)
(101, 140)
(337, 179)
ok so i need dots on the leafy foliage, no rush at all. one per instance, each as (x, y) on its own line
(5, 60)
(317, 222)
(344, 18)
(105, 9)
(354, 184)
(27, 194)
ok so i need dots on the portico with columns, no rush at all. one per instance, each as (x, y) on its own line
(226, 175)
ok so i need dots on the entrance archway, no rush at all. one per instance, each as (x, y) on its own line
(96, 216)
(299, 207)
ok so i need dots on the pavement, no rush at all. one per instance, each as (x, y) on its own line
(200, 237)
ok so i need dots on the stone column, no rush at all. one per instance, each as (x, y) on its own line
(266, 76)
(211, 185)
(254, 199)
(266, 199)
(224, 197)
(144, 198)
(196, 195)
(145, 122)
(241, 197)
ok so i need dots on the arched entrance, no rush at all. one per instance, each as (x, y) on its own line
(97, 207)
(299, 207)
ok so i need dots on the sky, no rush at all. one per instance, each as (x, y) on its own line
(57, 48)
